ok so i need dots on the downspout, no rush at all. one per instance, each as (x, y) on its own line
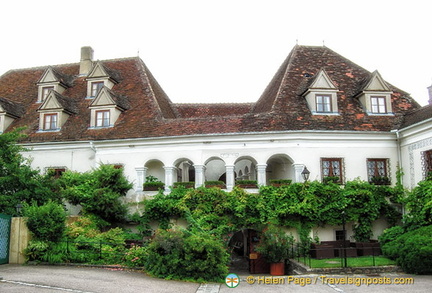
(93, 148)
(399, 154)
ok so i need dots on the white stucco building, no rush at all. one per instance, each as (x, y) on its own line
(320, 111)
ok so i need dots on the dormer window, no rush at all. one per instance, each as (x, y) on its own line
(99, 77)
(45, 92)
(95, 88)
(378, 105)
(323, 103)
(52, 80)
(102, 118)
(106, 108)
(54, 111)
(9, 111)
(375, 96)
(321, 94)
(50, 121)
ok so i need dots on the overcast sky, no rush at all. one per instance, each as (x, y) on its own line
(224, 50)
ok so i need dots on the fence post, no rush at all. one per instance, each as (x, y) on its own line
(373, 255)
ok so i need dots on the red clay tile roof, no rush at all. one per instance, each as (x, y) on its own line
(12, 108)
(417, 116)
(152, 114)
(212, 110)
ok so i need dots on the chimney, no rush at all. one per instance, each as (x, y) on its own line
(86, 63)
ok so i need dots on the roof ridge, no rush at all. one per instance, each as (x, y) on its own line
(40, 67)
(216, 103)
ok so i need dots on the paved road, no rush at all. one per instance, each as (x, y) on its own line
(59, 279)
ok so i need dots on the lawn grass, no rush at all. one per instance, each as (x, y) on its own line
(361, 261)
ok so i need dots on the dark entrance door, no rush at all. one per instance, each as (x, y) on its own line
(257, 263)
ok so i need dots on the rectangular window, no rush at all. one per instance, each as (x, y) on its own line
(340, 235)
(378, 105)
(95, 87)
(332, 167)
(102, 118)
(56, 172)
(45, 91)
(323, 103)
(50, 121)
(377, 171)
(427, 161)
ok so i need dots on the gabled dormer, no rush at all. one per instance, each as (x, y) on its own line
(54, 111)
(99, 77)
(52, 80)
(9, 111)
(106, 108)
(320, 93)
(375, 95)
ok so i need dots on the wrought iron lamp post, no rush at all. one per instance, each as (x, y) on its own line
(18, 209)
(344, 238)
(305, 174)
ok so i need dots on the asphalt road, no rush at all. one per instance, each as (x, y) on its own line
(53, 279)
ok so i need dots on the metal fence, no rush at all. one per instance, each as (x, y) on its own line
(95, 251)
(337, 255)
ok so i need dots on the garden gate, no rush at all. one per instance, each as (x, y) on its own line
(5, 224)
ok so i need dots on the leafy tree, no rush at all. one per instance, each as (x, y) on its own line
(98, 192)
(46, 222)
(419, 206)
(19, 183)
(412, 250)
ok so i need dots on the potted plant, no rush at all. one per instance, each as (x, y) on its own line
(153, 184)
(380, 180)
(331, 179)
(184, 184)
(275, 246)
(217, 184)
(280, 182)
(247, 183)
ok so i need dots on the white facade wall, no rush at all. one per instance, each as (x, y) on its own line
(286, 152)
(413, 141)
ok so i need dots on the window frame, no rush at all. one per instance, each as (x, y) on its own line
(327, 102)
(427, 162)
(377, 105)
(376, 168)
(45, 92)
(95, 87)
(331, 167)
(56, 172)
(51, 115)
(103, 118)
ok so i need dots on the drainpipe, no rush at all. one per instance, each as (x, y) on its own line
(399, 154)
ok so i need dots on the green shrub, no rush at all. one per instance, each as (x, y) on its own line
(46, 222)
(98, 192)
(215, 182)
(177, 254)
(135, 256)
(412, 251)
(246, 182)
(36, 249)
(275, 245)
(184, 184)
(390, 234)
(155, 185)
(419, 206)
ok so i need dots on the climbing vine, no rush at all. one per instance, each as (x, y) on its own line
(300, 206)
